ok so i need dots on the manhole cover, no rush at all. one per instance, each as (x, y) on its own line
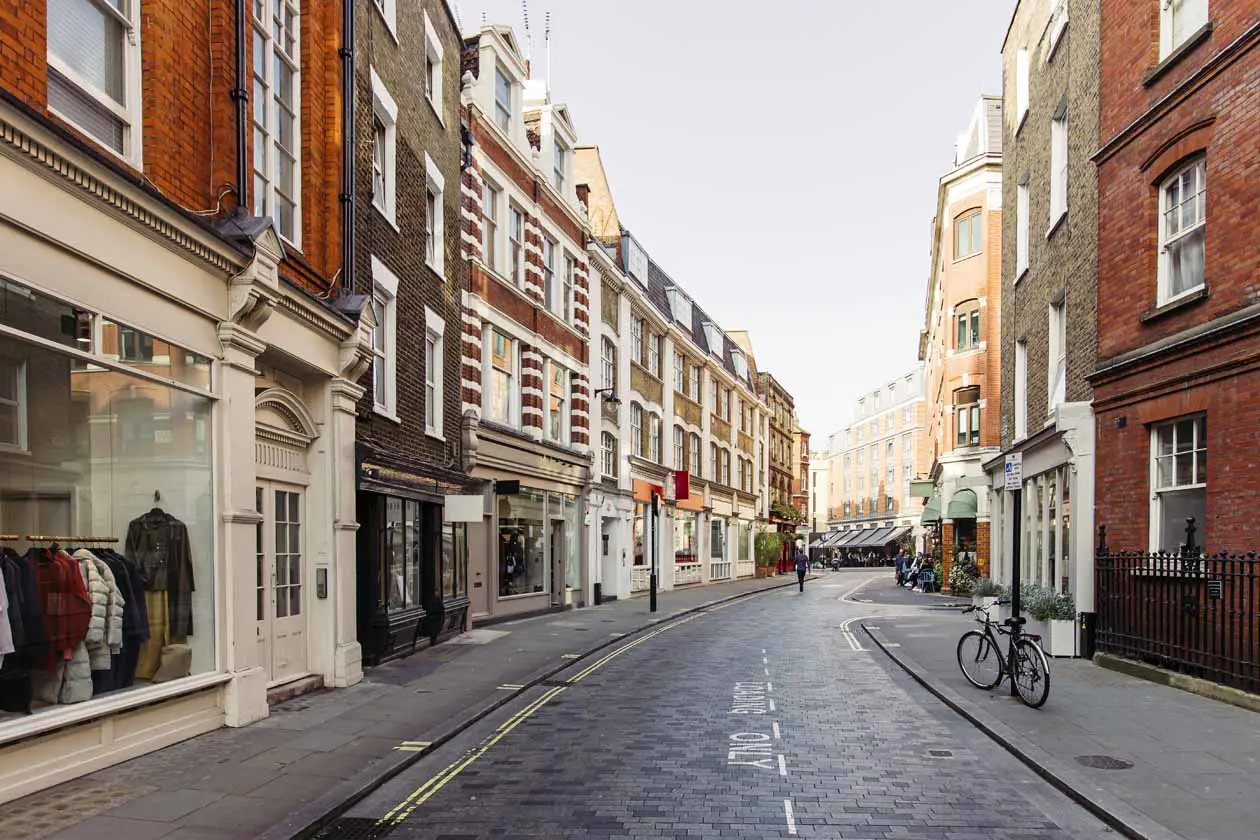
(941, 753)
(1104, 762)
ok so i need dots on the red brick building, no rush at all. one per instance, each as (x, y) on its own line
(1178, 316)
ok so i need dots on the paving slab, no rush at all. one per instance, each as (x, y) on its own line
(1193, 759)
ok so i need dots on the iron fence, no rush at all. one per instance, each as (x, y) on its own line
(1188, 611)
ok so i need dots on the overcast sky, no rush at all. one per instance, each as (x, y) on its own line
(779, 160)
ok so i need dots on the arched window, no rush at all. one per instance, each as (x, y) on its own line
(967, 229)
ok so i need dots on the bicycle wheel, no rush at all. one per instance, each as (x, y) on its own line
(1032, 674)
(980, 660)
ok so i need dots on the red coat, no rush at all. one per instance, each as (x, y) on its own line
(66, 607)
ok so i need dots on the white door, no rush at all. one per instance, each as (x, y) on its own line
(280, 582)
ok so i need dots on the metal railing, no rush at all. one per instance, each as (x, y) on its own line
(1189, 612)
(719, 569)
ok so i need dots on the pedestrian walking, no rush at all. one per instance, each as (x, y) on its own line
(802, 566)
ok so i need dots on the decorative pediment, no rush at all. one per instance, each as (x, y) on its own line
(253, 293)
(282, 414)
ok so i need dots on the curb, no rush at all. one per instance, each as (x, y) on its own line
(1115, 813)
(313, 817)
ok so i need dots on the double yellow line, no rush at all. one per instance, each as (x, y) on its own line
(422, 794)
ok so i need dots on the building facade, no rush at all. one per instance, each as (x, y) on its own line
(873, 461)
(1049, 329)
(820, 488)
(412, 582)
(180, 366)
(526, 336)
(801, 473)
(1177, 263)
(960, 341)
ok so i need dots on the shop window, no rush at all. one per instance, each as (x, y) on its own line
(522, 543)
(685, 549)
(967, 416)
(639, 527)
(117, 467)
(454, 560)
(402, 553)
(1179, 479)
(717, 539)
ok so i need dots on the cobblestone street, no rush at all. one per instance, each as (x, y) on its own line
(756, 719)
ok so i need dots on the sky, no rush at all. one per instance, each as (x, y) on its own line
(778, 160)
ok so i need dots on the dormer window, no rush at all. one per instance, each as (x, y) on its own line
(502, 99)
(679, 305)
(560, 164)
(713, 336)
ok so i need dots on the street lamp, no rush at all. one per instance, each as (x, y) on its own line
(608, 395)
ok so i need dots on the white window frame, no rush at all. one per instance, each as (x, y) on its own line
(1199, 164)
(19, 407)
(1058, 169)
(1022, 215)
(491, 200)
(695, 383)
(386, 110)
(434, 370)
(385, 291)
(636, 429)
(129, 113)
(608, 446)
(974, 221)
(697, 456)
(637, 329)
(1021, 389)
(550, 289)
(680, 373)
(433, 51)
(654, 354)
(654, 437)
(435, 257)
(608, 362)
(566, 404)
(568, 284)
(1023, 69)
(559, 163)
(513, 418)
(1198, 478)
(1168, 10)
(1056, 355)
(388, 10)
(680, 452)
(503, 112)
(270, 131)
(1058, 23)
(516, 246)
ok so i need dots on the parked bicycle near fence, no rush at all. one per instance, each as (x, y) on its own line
(985, 665)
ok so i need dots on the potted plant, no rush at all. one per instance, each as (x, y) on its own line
(961, 580)
(1037, 605)
(767, 547)
(1062, 635)
(985, 593)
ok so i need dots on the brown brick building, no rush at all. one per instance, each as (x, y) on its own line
(1178, 318)
(961, 339)
(178, 357)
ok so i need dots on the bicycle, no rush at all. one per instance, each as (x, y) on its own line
(985, 666)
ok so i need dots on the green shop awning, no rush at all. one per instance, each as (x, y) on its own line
(962, 505)
(931, 512)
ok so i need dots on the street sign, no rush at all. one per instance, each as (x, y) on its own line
(1014, 471)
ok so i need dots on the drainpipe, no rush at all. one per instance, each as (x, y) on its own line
(240, 94)
(347, 147)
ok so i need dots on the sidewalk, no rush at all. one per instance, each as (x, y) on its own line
(1187, 766)
(276, 776)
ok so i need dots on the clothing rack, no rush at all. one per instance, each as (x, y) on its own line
(65, 539)
(10, 537)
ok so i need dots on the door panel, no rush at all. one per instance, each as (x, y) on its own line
(280, 582)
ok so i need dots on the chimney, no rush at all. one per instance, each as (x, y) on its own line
(583, 194)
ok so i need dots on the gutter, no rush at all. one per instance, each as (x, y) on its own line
(240, 95)
(346, 196)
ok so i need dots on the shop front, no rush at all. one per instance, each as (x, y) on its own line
(412, 561)
(529, 551)
(176, 460)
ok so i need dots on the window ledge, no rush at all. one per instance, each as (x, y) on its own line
(1175, 305)
(387, 414)
(1023, 118)
(1174, 58)
(387, 216)
(438, 271)
(1019, 275)
(1056, 224)
(968, 257)
(437, 112)
(435, 434)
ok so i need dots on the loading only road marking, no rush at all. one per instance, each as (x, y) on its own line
(422, 794)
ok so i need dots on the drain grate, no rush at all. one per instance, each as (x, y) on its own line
(1104, 762)
(941, 753)
(353, 828)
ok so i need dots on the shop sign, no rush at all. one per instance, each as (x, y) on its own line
(463, 508)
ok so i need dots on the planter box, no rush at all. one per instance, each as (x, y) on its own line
(981, 601)
(1061, 638)
(1033, 627)
(765, 571)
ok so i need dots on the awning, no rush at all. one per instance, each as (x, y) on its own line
(846, 537)
(962, 505)
(829, 539)
(897, 534)
(871, 538)
(931, 512)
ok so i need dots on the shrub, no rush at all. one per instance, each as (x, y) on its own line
(767, 547)
(986, 587)
(961, 579)
(1037, 601)
(1064, 607)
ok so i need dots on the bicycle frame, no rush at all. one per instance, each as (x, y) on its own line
(992, 630)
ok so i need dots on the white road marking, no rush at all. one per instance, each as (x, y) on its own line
(763, 651)
(774, 727)
(509, 687)
(765, 661)
(767, 670)
(769, 687)
(782, 765)
(772, 704)
(791, 819)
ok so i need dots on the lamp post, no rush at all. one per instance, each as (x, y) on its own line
(656, 537)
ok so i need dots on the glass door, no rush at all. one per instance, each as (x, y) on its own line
(280, 582)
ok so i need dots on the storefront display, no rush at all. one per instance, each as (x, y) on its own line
(686, 549)
(522, 543)
(105, 506)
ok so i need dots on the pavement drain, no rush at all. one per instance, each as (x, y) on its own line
(941, 753)
(45, 814)
(1104, 762)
